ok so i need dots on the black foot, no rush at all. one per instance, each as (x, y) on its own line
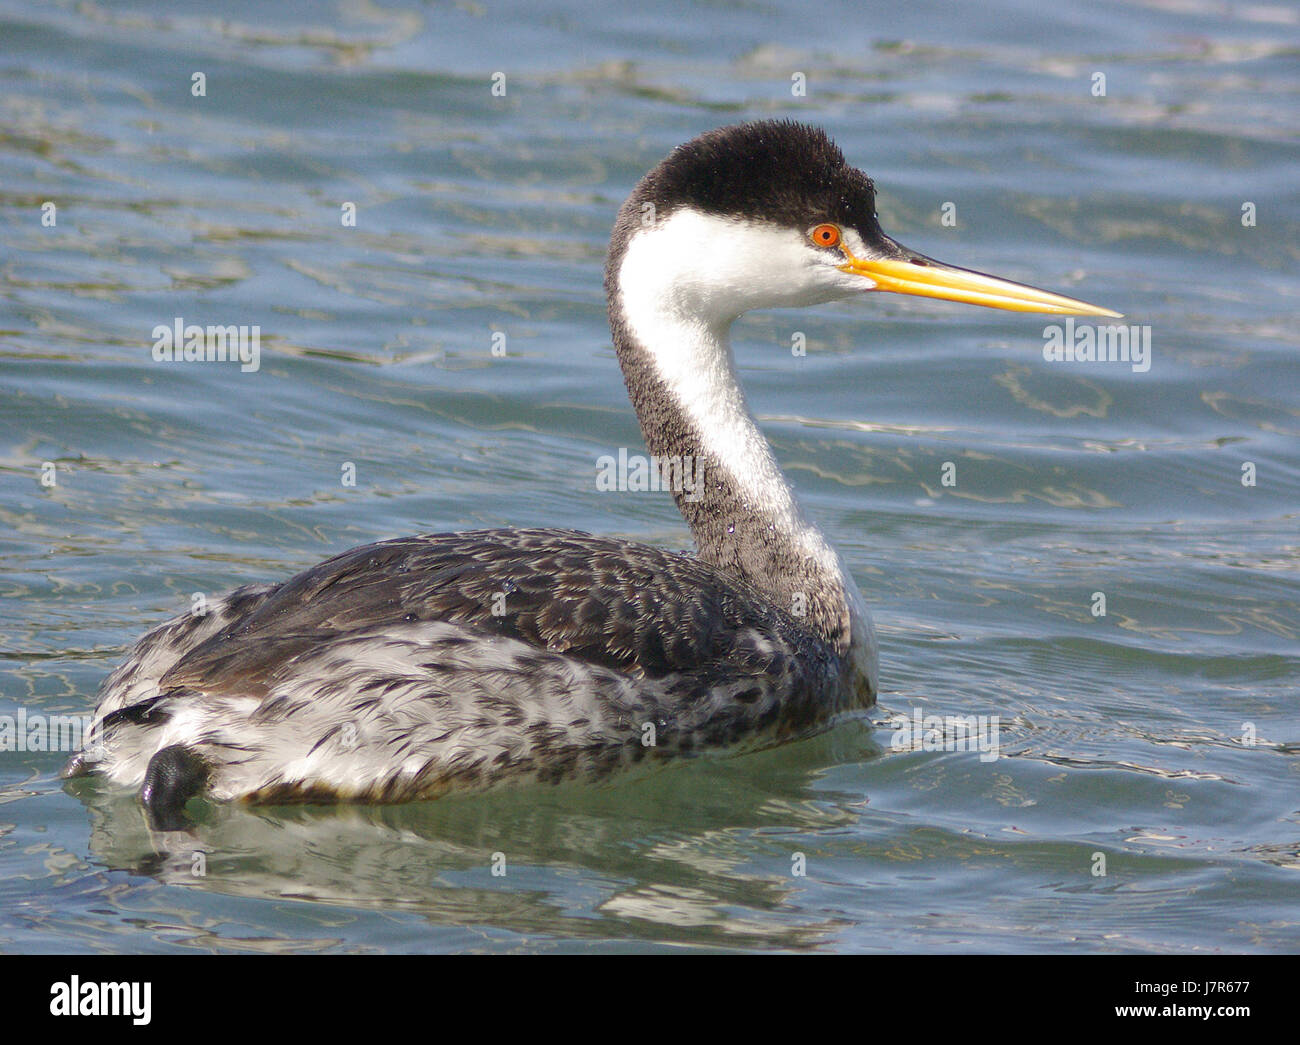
(175, 775)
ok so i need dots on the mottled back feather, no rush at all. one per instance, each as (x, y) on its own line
(630, 607)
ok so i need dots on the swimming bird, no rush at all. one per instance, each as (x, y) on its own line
(418, 666)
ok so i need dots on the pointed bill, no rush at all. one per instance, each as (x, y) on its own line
(924, 277)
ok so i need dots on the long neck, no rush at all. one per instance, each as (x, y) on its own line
(742, 512)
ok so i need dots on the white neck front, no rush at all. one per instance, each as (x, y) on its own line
(672, 326)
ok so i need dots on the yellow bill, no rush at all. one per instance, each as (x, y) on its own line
(927, 278)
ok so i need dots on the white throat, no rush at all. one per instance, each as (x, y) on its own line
(682, 314)
(678, 303)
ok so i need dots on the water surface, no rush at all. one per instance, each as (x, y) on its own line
(1160, 739)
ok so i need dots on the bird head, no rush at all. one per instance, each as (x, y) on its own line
(770, 214)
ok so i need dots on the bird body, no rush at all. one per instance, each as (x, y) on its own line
(414, 667)
(385, 674)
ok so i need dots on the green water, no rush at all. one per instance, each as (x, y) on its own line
(1160, 739)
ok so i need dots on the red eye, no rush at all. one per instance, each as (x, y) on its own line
(825, 236)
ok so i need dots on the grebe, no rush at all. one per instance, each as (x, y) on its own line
(413, 667)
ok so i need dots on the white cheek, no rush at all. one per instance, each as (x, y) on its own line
(714, 268)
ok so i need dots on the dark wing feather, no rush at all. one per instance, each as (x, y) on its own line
(630, 607)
